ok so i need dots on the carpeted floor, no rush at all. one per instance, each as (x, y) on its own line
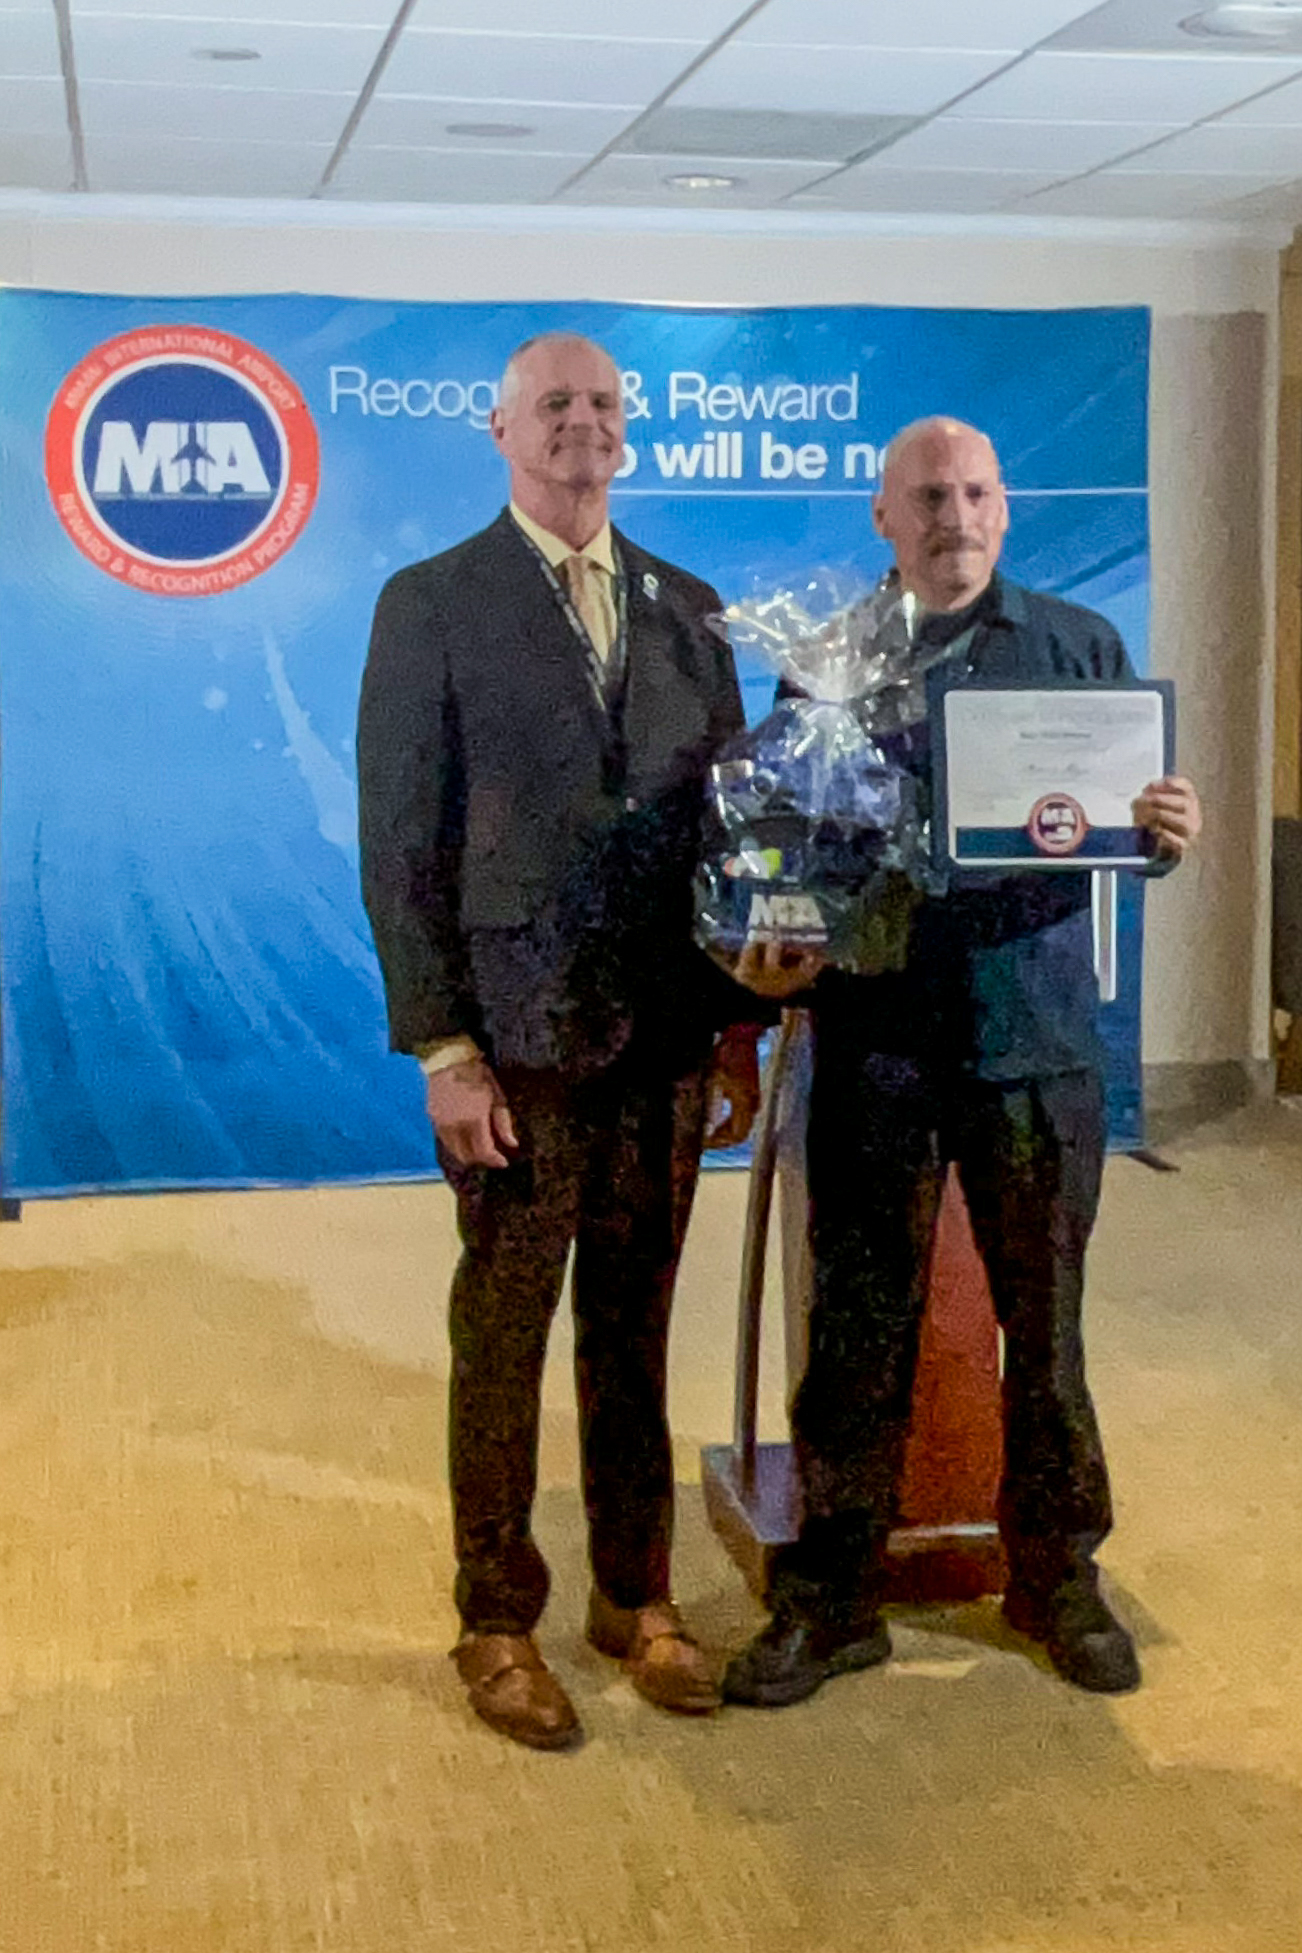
(227, 1720)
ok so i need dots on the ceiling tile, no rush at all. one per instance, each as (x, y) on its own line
(642, 180)
(29, 41)
(1061, 148)
(430, 176)
(1118, 88)
(296, 58)
(669, 20)
(33, 108)
(419, 122)
(1215, 149)
(140, 165)
(771, 133)
(480, 67)
(836, 81)
(124, 108)
(1280, 108)
(220, 13)
(1134, 193)
(934, 192)
(921, 24)
(35, 162)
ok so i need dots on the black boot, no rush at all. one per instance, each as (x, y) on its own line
(1082, 1636)
(790, 1659)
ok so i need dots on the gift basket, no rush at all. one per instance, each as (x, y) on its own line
(815, 832)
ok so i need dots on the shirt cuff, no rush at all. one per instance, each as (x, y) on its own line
(445, 1052)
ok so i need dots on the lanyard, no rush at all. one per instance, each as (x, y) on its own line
(606, 676)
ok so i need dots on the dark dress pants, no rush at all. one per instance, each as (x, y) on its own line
(607, 1164)
(882, 1133)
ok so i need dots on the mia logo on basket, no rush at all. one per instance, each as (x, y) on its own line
(793, 915)
(181, 460)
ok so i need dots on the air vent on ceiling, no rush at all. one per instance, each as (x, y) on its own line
(1277, 23)
(763, 135)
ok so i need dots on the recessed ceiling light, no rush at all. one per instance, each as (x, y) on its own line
(488, 129)
(1247, 20)
(691, 181)
(226, 54)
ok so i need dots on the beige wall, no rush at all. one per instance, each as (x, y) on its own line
(1206, 974)
(1212, 441)
(1288, 577)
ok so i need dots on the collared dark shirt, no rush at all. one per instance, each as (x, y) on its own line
(1000, 979)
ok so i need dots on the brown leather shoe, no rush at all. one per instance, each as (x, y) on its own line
(512, 1689)
(660, 1657)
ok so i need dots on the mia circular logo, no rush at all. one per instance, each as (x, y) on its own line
(181, 460)
(1057, 824)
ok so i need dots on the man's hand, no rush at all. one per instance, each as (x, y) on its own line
(777, 969)
(469, 1114)
(734, 1077)
(1169, 809)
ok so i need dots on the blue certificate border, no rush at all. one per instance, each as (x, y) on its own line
(1112, 842)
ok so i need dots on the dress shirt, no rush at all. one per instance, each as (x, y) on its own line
(596, 579)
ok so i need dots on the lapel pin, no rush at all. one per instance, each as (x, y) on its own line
(651, 586)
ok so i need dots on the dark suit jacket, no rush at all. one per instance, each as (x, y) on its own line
(1000, 977)
(525, 864)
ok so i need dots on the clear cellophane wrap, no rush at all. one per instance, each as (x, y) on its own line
(815, 834)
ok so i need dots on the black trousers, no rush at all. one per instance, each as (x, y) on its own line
(882, 1134)
(607, 1164)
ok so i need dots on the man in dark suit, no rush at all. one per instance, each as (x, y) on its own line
(538, 712)
(983, 1052)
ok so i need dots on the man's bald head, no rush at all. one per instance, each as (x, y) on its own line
(547, 351)
(943, 509)
(936, 430)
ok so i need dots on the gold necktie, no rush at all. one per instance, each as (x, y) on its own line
(586, 582)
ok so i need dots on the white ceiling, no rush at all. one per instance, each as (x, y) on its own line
(944, 107)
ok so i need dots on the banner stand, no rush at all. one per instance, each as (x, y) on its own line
(10, 1210)
(201, 500)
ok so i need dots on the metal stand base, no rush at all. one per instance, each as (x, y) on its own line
(924, 1563)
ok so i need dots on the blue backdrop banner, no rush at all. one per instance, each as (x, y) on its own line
(199, 502)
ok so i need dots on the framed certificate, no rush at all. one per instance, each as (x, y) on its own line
(1043, 775)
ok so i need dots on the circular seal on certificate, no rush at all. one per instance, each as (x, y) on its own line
(181, 460)
(1057, 825)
